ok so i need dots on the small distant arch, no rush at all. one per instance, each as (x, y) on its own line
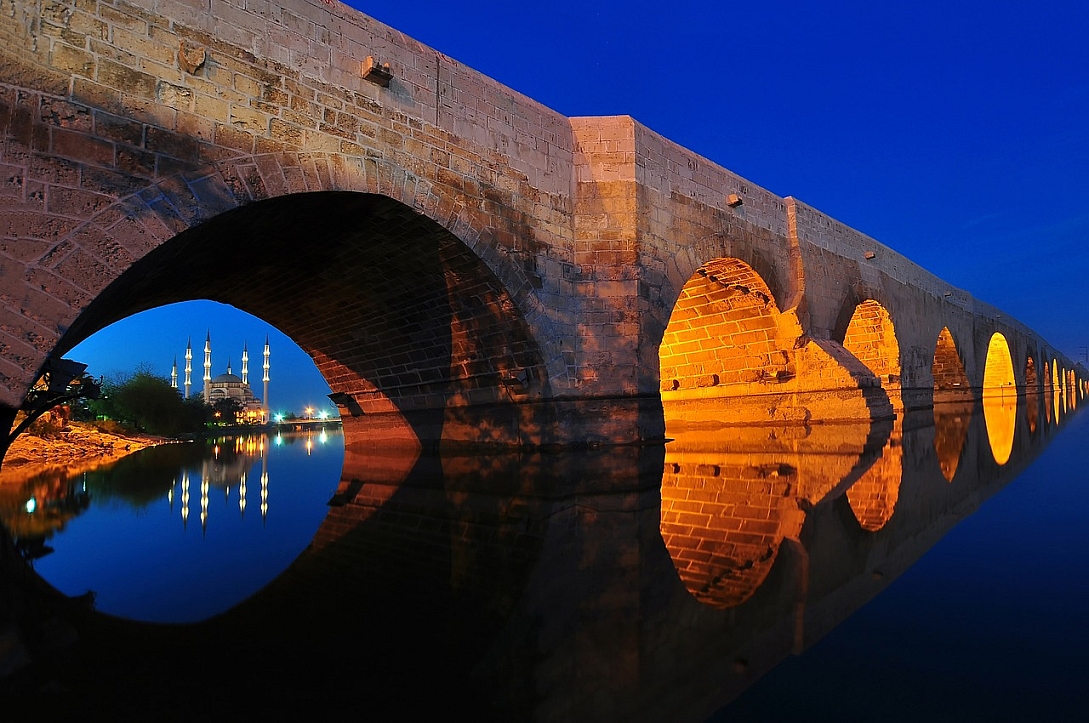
(950, 379)
(999, 398)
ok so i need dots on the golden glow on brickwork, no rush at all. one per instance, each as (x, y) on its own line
(724, 332)
(999, 398)
(951, 423)
(871, 337)
(1048, 392)
(950, 380)
(1056, 391)
(873, 497)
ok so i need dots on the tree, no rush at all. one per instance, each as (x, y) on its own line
(147, 403)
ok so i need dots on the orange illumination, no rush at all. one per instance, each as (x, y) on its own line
(999, 398)
(871, 337)
(951, 422)
(873, 497)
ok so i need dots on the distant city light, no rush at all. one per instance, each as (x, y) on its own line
(279, 417)
(31, 505)
(324, 414)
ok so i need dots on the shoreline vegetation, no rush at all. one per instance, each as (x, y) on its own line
(80, 447)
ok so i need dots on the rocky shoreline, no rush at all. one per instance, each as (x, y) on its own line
(80, 447)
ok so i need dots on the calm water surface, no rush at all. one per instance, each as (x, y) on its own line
(896, 571)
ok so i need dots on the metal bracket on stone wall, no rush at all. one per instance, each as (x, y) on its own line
(376, 72)
(190, 59)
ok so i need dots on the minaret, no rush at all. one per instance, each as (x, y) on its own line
(264, 380)
(208, 368)
(245, 365)
(188, 365)
(174, 374)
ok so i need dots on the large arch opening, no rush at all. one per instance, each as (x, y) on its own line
(999, 398)
(403, 320)
(730, 356)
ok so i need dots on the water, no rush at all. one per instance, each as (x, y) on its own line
(181, 532)
(892, 571)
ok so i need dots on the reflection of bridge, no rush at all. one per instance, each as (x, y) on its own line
(440, 244)
(532, 585)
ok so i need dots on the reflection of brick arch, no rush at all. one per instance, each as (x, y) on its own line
(874, 495)
(725, 330)
(723, 526)
(871, 337)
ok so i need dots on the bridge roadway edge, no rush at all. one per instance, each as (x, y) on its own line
(116, 115)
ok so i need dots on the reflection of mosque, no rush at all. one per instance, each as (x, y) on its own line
(232, 465)
(227, 385)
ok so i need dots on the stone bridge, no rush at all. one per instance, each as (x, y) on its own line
(461, 262)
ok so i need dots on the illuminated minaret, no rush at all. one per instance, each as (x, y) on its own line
(245, 365)
(208, 367)
(264, 380)
(174, 374)
(188, 365)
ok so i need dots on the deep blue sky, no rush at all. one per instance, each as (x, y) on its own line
(957, 132)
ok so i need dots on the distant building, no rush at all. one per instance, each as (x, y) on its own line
(227, 385)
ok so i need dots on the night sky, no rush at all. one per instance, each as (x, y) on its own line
(956, 133)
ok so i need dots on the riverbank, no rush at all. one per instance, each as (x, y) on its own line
(80, 447)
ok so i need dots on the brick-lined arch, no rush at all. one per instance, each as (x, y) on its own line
(727, 338)
(1049, 392)
(724, 330)
(950, 380)
(871, 337)
(873, 496)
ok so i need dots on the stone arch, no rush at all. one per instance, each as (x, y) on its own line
(1048, 391)
(1032, 393)
(402, 318)
(871, 337)
(81, 258)
(950, 379)
(999, 398)
(725, 330)
(727, 338)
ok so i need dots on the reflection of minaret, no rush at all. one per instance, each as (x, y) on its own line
(245, 365)
(204, 505)
(264, 379)
(264, 487)
(185, 498)
(188, 365)
(174, 374)
(208, 368)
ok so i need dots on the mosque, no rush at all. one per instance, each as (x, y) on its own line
(227, 385)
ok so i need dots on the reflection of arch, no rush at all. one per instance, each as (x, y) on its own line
(723, 525)
(1056, 391)
(999, 398)
(873, 497)
(951, 423)
(871, 338)
(950, 379)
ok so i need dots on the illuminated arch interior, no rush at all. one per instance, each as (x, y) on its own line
(871, 337)
(950, 380)
(723, 332)
(1032, 393)
(999, 398)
